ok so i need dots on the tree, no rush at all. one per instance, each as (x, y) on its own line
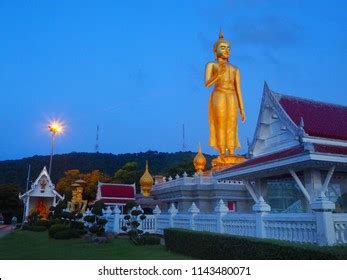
(10, 204)
(128, 174)
(185, 166)
(92, 178)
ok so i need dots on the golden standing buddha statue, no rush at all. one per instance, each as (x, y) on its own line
(224, 104)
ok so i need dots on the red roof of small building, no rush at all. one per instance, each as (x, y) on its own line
(320, 119)
(117, 191)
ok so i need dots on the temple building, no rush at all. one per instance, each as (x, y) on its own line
(115, 194)
(298, 154)
(41, 196)
(204, 189)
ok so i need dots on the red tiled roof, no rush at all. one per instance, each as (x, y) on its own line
(266, 158)
(330, 149)
(119, 201)
(119, 191)
(320, 119)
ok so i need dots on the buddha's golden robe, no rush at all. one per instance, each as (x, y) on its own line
(224, 103)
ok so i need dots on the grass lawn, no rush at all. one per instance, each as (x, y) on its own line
(27, 245)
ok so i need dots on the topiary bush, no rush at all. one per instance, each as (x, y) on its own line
(131, 226)
(213, 246)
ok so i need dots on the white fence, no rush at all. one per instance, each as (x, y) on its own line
(309, 228)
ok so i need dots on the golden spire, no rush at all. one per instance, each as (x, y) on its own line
(146, 182)
(199, 161)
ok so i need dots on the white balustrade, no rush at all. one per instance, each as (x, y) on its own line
(240, 224)
(340, 226)
(293, 227)
(206, 222)
(300, 228)
(181, 221)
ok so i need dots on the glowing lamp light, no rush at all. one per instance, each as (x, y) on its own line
(56, 127)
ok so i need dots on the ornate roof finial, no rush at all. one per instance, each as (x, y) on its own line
(146, 182)
(199, 161)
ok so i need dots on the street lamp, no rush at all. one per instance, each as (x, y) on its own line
(54, 127)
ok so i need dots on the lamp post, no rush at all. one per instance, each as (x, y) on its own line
(55, 128)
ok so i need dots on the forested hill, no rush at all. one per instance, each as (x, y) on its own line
(15, 171)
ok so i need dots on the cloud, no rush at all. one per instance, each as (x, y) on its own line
(269, 31)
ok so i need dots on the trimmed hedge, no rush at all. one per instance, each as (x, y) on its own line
(213, 246)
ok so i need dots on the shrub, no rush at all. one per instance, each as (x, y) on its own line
(206, 245)
(132, 224)
(90, 218)
(77, 225)
(99, 205)
(66, 234)
(57, 228)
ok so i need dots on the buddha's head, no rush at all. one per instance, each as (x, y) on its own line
(221, 48)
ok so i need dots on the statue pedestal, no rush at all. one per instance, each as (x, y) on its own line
(223, 162)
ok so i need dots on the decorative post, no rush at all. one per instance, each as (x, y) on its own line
(109, 217)
(323, 208)
(156, 213)
(261, 208)
(116, 221)
(185, 175)
(221, 210)
(193, 211)
(172, 211)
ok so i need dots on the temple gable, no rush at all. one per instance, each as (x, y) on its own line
(275, 131)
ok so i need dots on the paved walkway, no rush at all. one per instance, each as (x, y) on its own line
(4, 229)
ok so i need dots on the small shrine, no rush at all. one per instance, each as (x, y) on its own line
(77, 204)
(115, 194)
(41, 196)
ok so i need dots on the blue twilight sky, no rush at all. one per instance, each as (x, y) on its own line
(136, 68)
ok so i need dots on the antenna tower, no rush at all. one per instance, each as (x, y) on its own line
(97, 139)
(184, 141)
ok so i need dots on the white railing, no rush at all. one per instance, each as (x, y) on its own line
(197, 179)
(148, 224)
(300, 228)
(181, 221)
(162, 222)
(240, 224)
(340, 226)
(205, 222)
(323, 228)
